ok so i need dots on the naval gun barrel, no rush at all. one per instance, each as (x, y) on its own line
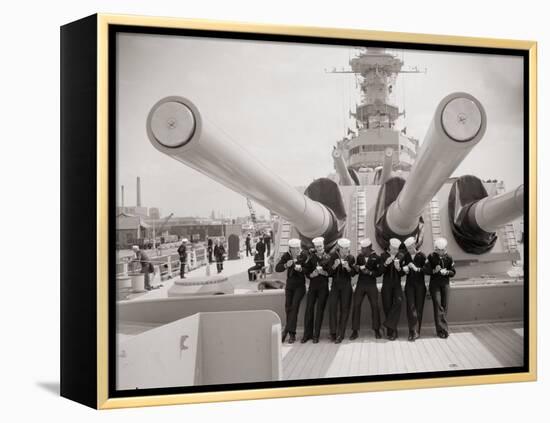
(387, 166)
(491, 212)
(458, 125)
(176, 128)
(341, 169)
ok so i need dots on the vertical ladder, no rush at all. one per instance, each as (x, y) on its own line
(435, 218)
(360, 215)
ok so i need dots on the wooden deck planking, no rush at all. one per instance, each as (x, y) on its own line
(477, 351)
(468, 347)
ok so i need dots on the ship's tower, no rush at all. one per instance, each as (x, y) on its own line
(366, 151)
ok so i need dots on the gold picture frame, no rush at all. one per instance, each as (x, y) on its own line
(81, 34)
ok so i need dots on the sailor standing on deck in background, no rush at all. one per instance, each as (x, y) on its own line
(146, 266)
(392, 292)
(415, 287)
(368, 267)
(260, 247)
(341, 269)
(247, 242)
(182, 252)
(219, 255)
(317, 269)
(440, 266)
(293, 262)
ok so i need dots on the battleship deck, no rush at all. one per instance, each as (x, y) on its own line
(472, 346)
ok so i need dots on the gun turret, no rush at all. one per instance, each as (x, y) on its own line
(475, 217)
(176, 128)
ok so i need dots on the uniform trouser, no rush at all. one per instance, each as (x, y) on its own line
(439, 292)
(209, 256)
(146, 280)
(317, 295)
(268, 247)
(339, 296)
(415, 292)
(294, 292)
(371, 291)
(248, 250)
(392, 298)
(219, 266)
(182, 268)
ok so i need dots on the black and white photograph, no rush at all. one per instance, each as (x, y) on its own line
(292, 210)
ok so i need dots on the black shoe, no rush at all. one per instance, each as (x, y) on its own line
(389, 333)
(377, 334)
(148, 288)
(292, 338)
(338, 340)
(441, 335)
(413, 335)
(285, 333)
(315, 340)
(305, 339)
(332, 337)
(393, 335)
(354, 335)
(445, 335)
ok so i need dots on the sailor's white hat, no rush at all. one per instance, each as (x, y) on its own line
(135, 247)
(318, 241)
(395, 243)
(344, 243)
(184, 240)
(294, 242)
(409, 241)
(440, 243)
(365, 243)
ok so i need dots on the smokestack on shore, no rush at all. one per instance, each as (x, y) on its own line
(138, 187)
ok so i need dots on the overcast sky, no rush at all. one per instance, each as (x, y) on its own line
(276, 100)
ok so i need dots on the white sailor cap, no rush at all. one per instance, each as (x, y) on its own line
(365, 243)
(344, 243)
(395, 243)
(409, 241)
(185, 240)
(294, 242)
(318, 241)
(135, 247)
(440, 243)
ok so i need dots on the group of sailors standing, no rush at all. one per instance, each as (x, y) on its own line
(400, 259)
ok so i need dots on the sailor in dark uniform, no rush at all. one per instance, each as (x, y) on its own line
(392, 292)
(368, 267)
(317, 269)
(339, 300)
(415, 287)
(440, 266)
(182, 251)
(247, 242)
(293, 262)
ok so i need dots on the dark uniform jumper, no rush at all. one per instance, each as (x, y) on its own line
(415, 290)
(366, 285)
(295, 288)
(439, 288)
(317, 294)
(340, 294)
(392, 292)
